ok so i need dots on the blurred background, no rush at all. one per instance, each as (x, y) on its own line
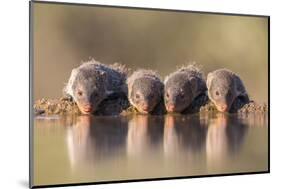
(67, 35)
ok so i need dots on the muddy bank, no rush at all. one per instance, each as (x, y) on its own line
(251, 107)
(121, 106)
(65, 105)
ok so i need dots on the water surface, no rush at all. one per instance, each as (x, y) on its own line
(75, 149)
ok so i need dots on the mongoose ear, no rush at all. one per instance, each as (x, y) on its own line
(209, 80)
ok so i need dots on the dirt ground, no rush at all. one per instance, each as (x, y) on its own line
(121, 106)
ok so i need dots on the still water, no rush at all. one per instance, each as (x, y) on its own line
(91, 149)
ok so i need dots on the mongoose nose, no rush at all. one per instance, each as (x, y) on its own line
(222, 108)
(87, 108)
(171, 108)
(145, 107)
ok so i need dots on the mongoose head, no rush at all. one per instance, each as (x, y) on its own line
(145, 94)
(88, 89)
(178, 92)
(221, 89)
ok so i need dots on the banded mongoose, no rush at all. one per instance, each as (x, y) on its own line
(182, 87)
(92, 82)
(145, 90)
(224, 87)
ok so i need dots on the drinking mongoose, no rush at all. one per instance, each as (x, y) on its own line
(182, 87)
(145, 90)
(224, 87)
(92, 82)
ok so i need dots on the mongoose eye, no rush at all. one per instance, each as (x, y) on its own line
(217, 93)
(80, 93)
(167, 95)
(137, 96)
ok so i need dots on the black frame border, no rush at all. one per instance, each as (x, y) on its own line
(31, 125)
